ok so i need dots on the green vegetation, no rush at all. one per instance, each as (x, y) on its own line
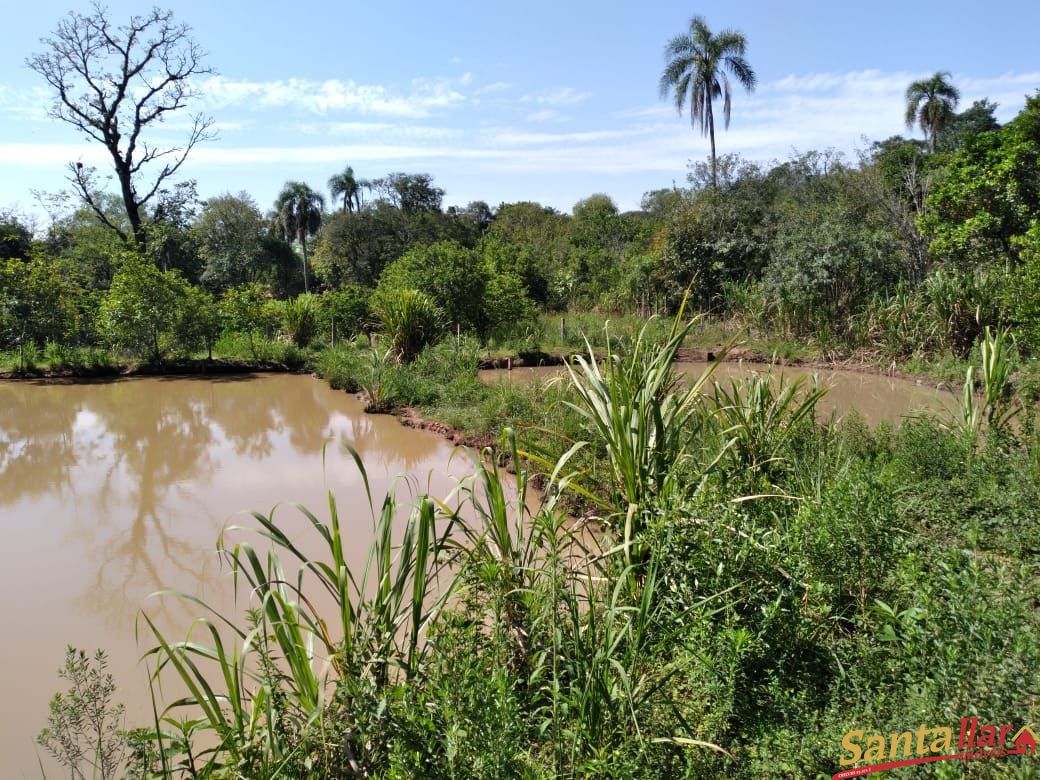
(702, 584)
(743, 601)
(902, 259)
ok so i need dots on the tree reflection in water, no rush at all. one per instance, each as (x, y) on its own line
(147, 471)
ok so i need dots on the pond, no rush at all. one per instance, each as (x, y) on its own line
(113, 490)
(876, 398)
(110, 491)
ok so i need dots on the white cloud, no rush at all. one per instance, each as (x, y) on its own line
(545, 115)
(520, 138)
(805, 111)
(488, 89)
(381, 130)
(321, 97)
(561, 96)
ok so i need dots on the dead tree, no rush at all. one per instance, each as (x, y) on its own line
(113, 83)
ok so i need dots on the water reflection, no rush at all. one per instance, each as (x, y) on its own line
(36, 444)
(110, 491)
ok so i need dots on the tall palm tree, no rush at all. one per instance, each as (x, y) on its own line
(698, 68)
(346, 185)
(931, 104)
(298, 211)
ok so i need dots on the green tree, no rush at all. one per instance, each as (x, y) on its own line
(298, 213)
(698, 68)
(244, 308)
(453, 276)
(143, 307)
(931, 104)
(355, 247)
(413, 193)
(346, 310)
(345, 185)
(15, 237)
(38, 302)
(534, 242)
(231, 233)
(1023, 290)
(979, 118)
(989, 194)
(199, 321)
(91, 248)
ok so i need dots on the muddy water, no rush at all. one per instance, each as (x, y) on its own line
(874, 397)
(111, 491)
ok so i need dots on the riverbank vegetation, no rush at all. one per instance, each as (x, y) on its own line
(899, 259)
(637, 579)
(737, 598)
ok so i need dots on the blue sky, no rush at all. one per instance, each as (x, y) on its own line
(547, 101)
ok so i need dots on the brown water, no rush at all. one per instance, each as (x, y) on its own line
(110, 491)
(875, 397)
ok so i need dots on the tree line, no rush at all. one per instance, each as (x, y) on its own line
(912, 247)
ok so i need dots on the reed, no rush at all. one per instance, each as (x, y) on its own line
(262, 687)
(648, 421)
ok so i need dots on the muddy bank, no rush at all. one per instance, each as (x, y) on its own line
(172, 368)
(736, 354)
(410, 418)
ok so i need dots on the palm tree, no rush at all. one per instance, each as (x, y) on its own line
(699, 65)
(346, 185)
(298, 210)
(930, 104)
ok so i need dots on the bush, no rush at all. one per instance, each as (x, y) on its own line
(300, 318)
(345, 311)
(452, 276)
(142, 309)
(409, 319)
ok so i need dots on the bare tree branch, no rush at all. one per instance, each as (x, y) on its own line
(112, 84)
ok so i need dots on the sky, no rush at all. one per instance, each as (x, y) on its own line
(535, 100)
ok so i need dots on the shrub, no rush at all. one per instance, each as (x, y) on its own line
(409, 319)
(345, 311)
(142, 308)
(300, 318)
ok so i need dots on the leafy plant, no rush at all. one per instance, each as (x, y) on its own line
(762, 413)
(267, 695)
(84, 724)
(410, 320)
(994, 408)
(300, 318)
(648, 423)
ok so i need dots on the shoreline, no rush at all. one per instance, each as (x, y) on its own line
(174, 368)
(685, 355)
(736, 354)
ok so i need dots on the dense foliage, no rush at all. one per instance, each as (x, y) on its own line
(755, 587)
(906, 254)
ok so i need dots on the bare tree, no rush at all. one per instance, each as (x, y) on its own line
(112, 84)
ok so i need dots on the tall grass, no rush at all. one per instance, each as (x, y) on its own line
(262, 688)
(409, 319)
(762, 413)
(300, 318)
(994, 408)
(649, 422)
